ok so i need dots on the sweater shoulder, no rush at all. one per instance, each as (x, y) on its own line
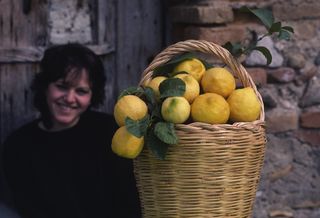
(97, 117)
(100, 121)
(21, 135)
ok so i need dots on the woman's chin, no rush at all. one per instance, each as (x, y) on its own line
(64, 122)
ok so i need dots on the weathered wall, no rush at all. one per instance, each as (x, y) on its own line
(290, 179)
(125, 34)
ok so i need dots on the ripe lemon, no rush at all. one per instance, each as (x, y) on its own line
(244, 105)
(125, 144)
(129, 106)
(192, 66)
(175, 109)
(218, 80)
(192, 86)
(154, 85)
(210, 108)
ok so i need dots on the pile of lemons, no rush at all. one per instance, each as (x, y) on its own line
(210, 96)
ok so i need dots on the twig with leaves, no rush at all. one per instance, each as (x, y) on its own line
(273, 27)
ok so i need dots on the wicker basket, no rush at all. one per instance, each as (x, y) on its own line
(215, 169)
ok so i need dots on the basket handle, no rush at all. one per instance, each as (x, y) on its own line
(207, 48)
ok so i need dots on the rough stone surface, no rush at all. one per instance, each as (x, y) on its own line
(307, 72)
(69, 22)
(281, 120)
(258, 75)
(281, 74)
(219, 35)
(317, 59)
(310, 119)
(269, 96)
(215, 13)
(310, 136)
(305, 9)
(312, 94)
(289, 179)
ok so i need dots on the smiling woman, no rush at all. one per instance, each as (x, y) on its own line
(61, 165)
(72, 76)
(67, 100)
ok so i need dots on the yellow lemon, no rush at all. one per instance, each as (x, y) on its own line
(125, 144)
(175, 109)
(210, 108)
(154, 85)
(129, 106)
(244, 105)
(192, 66)
(218, 80)
(192, 86)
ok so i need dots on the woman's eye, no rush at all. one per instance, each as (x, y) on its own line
(83, 91)
(61, 86)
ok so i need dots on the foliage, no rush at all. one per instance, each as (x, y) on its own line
(266, 17)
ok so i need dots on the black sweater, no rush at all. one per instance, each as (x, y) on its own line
(71, 173)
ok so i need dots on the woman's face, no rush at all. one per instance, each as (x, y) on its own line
(67, 99)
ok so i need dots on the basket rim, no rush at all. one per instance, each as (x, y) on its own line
(222, 54)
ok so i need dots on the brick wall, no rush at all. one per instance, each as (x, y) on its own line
(290, 179)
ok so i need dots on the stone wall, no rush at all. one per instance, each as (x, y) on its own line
(69, 21)
(290, 179)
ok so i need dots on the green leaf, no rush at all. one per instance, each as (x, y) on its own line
(265, 52)
(288, 28)
(264, 15)
(276, 27)
(167, 68)
(166, 133)
(152, 103)
(183, 57)
(172, 87)
(234, 48)
(156, 112)
(137, 128)
(206, 64)
(284, 34)
(157, 147)
(134, 90)
(150, 95)
(163, 70)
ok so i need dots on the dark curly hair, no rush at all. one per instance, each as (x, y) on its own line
(58, 61)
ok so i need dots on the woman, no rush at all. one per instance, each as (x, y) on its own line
(61, 165)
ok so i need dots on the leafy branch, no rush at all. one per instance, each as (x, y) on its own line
(266, 17)
(158, 133)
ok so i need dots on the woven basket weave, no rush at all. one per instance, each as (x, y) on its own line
(215, 169)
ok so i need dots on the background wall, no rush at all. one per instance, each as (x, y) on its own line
(290, 180)
(127, 34)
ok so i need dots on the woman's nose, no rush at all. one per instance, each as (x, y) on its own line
(70, 96)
